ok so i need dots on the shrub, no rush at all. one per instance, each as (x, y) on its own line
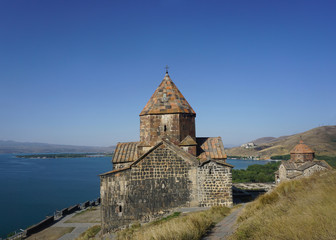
(256, 173)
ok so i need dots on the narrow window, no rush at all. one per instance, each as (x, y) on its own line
(120, 208)
(210, 171)
(165, 128)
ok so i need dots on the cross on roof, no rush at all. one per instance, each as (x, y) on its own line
(166, 67)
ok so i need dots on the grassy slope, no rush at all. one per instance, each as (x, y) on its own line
(90, 233)
(321, 139)
(301, 209)
(186, 227)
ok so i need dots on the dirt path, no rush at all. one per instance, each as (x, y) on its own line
(224, 228)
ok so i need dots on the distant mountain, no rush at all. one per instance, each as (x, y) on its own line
(30, 147)
(263, 140)
(322, 140)
(230, 145)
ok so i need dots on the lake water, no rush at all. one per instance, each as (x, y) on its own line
(243, 164)
(31, 189)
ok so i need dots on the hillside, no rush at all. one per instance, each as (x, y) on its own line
(28, 147)
(298, 209)
(263, 140)
(322, 140)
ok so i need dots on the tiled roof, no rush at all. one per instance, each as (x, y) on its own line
(301, 167)
(210, 148)
(125, 152)
(167, 99)
(301, 148)
(289, 165)
(321, 163)
(306, 165)
(188, 141)
(324, 164)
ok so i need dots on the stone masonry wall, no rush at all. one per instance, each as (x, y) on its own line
(174, 126)
(313, 169)
(282, 173)
(187, 126)
(214, 185)
(159, 182)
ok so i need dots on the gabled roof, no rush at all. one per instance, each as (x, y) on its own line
(324, 164)
(301, 148)
(181, 153)
(125, 152)
(301, 167)
(167, 99)
(289, 165)
(210, 148)
(306, 165)
(217, 162)
(188, 141)
(309, 164)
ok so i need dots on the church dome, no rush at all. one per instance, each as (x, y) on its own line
(167, 99)
(301, 148)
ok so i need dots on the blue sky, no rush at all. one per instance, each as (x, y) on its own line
(80, 72)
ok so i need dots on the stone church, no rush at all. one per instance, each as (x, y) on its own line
(168, 168)
(302, 163)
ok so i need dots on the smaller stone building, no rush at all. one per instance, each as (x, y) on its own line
(301, 164)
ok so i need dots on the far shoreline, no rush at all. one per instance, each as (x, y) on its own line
(62, 155)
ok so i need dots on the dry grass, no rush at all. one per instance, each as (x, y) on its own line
(51, 233)
(300, 209)
(90, 233)
(188, 227)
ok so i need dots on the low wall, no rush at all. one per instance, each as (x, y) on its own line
(40, 226)
(64, 212)
(73, 209)
(51, 220)
(86, 204)
(255, 186)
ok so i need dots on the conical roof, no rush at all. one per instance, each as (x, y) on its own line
(167, 99)
(302, 148)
